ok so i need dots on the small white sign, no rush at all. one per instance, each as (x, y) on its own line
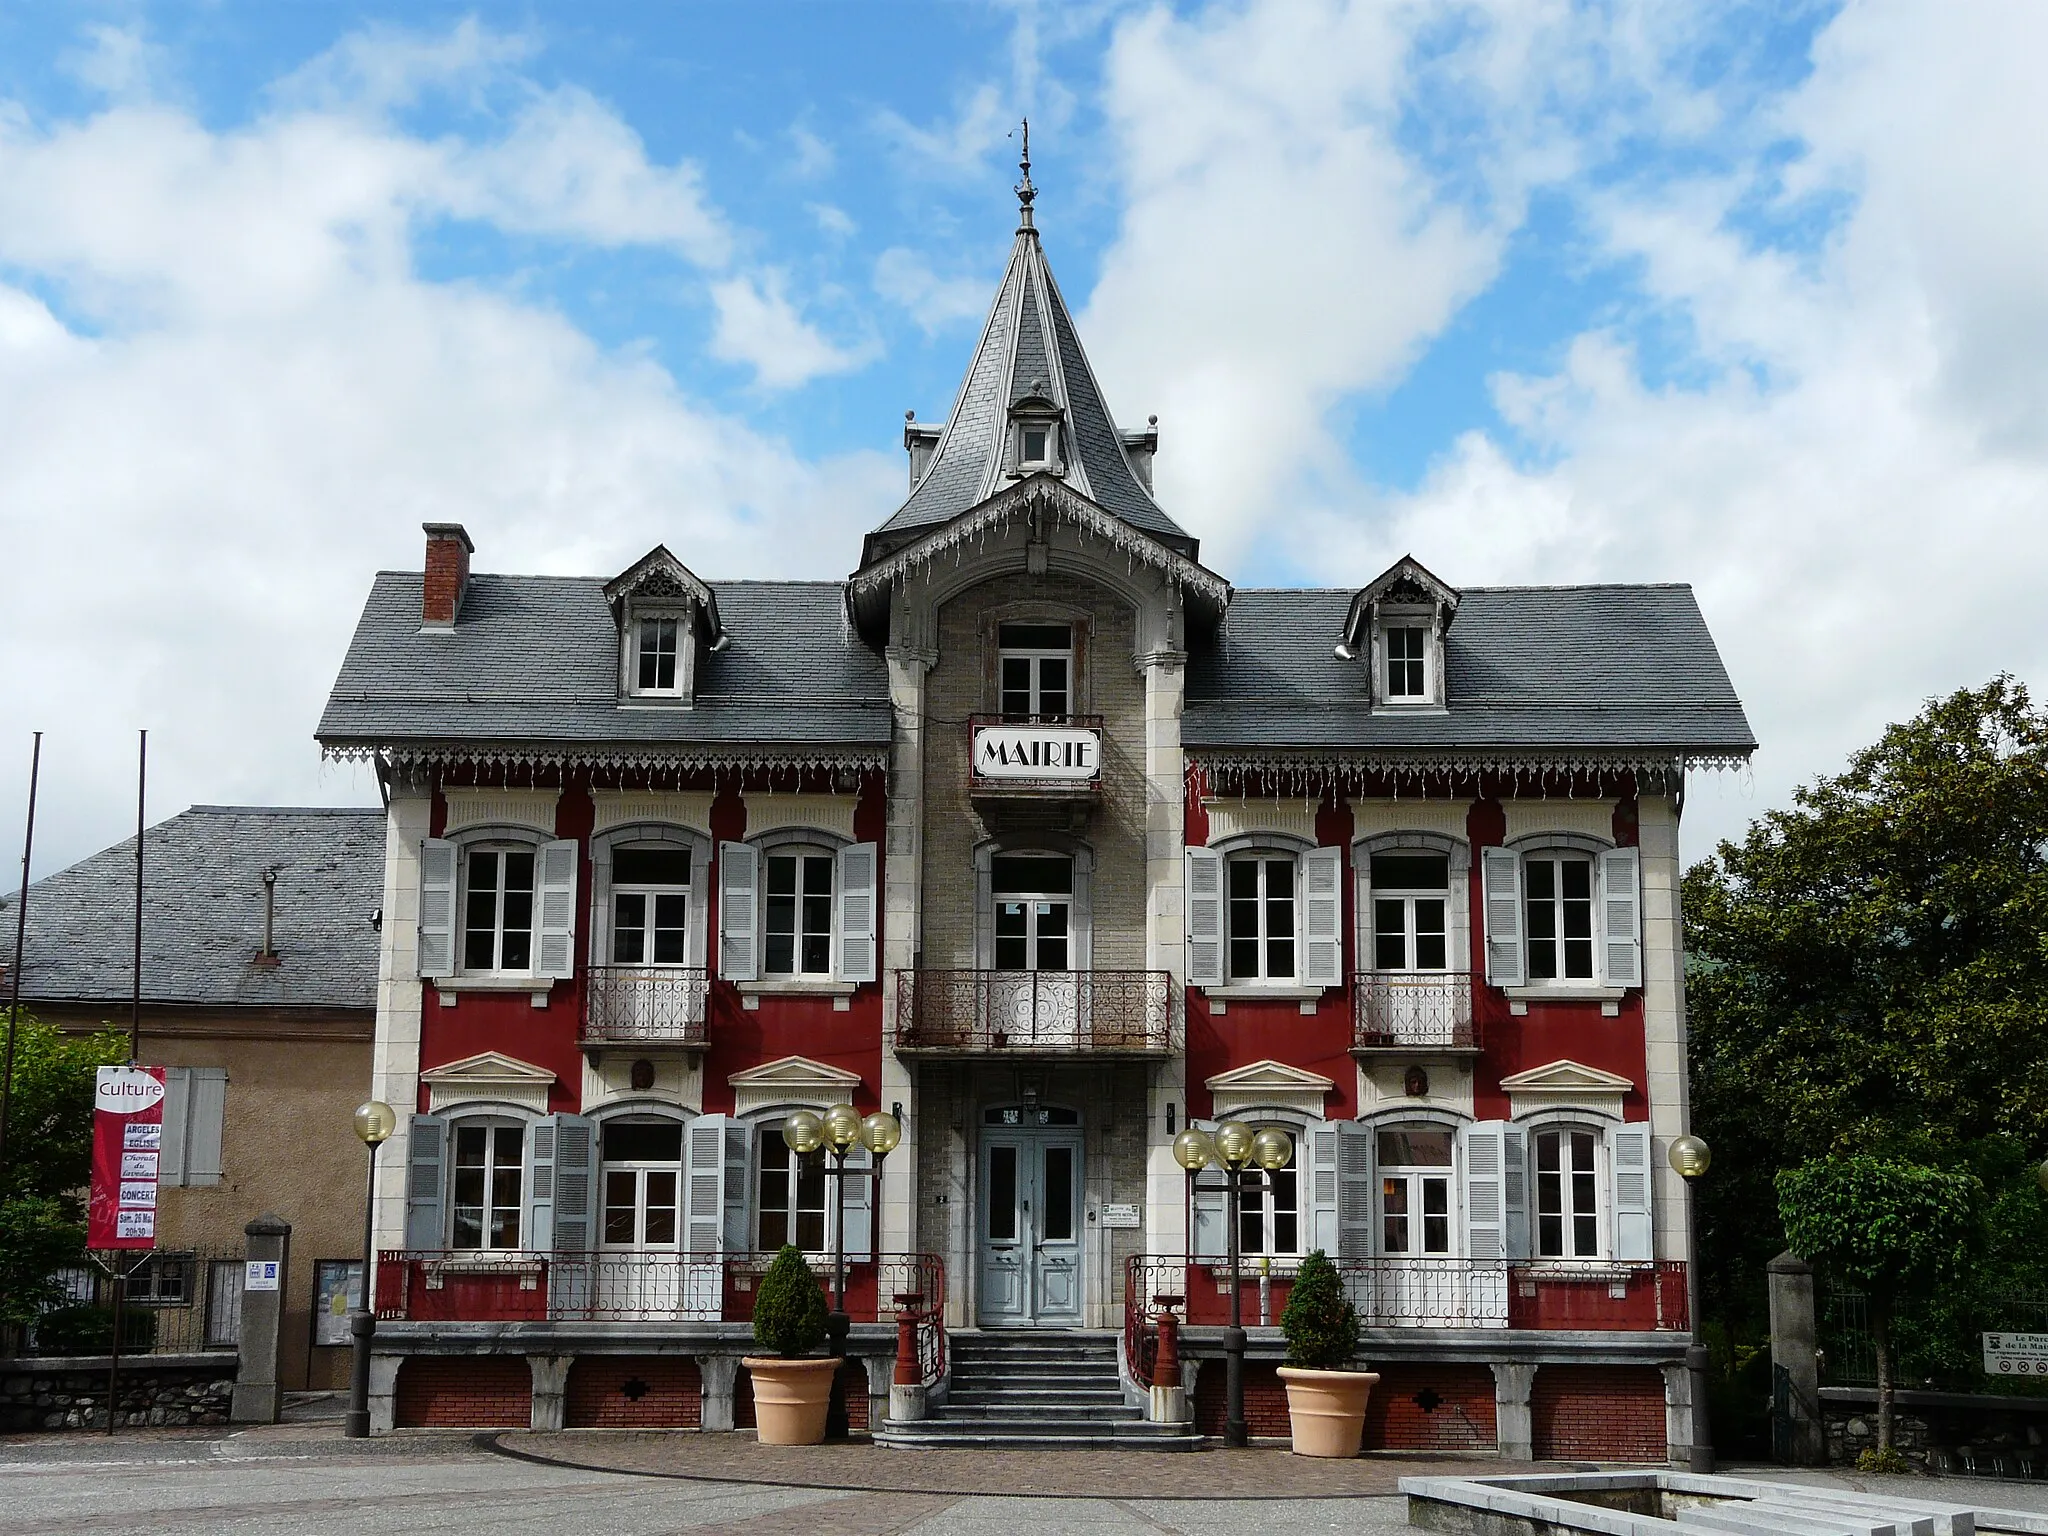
(261, 1275)
(1120, 1216)
(126, 1090)
(138, 1194)
(142, 1138)
(138, 1165)
(2016, 1354)
(135, 1223)
(1066, 753)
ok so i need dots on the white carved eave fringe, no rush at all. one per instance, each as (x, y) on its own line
(753, 756)
(1561, 773)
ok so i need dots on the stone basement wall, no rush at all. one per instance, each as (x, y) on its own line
(1956, 1432)
(71, 1392)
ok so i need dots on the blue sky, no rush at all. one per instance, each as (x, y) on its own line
(1538, 291)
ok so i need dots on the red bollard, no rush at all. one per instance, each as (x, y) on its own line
(909, 1369)
(1166, 1364)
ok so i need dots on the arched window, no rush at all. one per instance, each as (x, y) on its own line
(487, 1183)
(1416, 1167)
(1269, 1209)
(1567, 1192)
(642, 1188)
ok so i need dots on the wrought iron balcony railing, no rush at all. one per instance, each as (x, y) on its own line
(1069, 1013)
(645, 1005)
(1413, 1010)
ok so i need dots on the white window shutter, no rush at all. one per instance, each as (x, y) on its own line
(1621, 916)
(739, 875)
(704, 1184)
(1355, 1178)
(1501, 870)
(1322, 918)
(1318, 1152)
(576, 1149)
(426, 1182)
(739, 1186)
(1514, 1190)
(537, 1229)
(1485, 1211)
(205, 1119)
(860, 1204)
(1207, 1234)
(439, 864)
(856, 935)
(1628, 1157)
(1205, 917)
(556, 956)
(171, 1162)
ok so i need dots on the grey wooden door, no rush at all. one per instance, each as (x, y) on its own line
(1031, 1226)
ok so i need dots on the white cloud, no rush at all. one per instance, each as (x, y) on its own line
(956, 148)
(813, 156)
(904, 277)
(759, 328)
(120, 63)
(380, 68)
(833, 220)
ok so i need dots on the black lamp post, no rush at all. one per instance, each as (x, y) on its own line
(374, 1122)
(1690, 1158)
(1236, 1147)
(838, 1129)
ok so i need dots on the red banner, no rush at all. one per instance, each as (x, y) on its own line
(127, 1141)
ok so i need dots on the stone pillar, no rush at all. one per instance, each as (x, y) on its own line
(720, 1375)
(258, 1398)
(1798, 1434)
(1514, 1427)
(384, 1393)
(881, 1369)
(1678, 1412)
(550, 1390)
(902, 929)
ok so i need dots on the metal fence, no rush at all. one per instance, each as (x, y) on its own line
(645, 1004)
(1412, 1010)
(1937, 1346)
(1080, 1013)
(179, 1302)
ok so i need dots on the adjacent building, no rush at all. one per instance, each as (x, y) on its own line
(1038, 833)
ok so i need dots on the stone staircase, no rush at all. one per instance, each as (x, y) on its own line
(1036, 1390)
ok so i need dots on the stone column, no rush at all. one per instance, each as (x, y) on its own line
(902, 933)
(258, 1397)
(395, 1059)
(384, 1392)
(1165, 933)
(881, 1372)
(1798, 1435)
(720, 1375)
(550, 1390)
(1514, 1426)
(1678, 1412)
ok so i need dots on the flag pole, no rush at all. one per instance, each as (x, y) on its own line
(135, 998)
(28, 843)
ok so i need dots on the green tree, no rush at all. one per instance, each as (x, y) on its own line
(48, 1159)
(789, 1307)
(1897, 1231)
(1319, 1323)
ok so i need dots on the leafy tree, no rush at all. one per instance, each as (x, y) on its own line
(1898, 1231)
(789, 1308)
(1320, 1325)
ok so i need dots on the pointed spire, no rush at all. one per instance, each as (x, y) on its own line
(1026, 193)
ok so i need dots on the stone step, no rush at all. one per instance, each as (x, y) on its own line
(1046, 1433)
(905, 1440)
(1010, 1375)
(1748, 1519)
(960, 1392)
(1089, 1412)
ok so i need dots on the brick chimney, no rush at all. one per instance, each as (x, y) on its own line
(448, 552)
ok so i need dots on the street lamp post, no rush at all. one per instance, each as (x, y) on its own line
(374, 1122)
(837, 1130)
(1236, 1147)
(1690, 1158)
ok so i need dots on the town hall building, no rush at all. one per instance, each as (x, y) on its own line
(1037, 833)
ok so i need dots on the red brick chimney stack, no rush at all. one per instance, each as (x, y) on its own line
(448, 552)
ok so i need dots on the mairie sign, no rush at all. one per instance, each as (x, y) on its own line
(1066, 753)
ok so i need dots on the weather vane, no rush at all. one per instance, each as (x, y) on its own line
(1025, 191)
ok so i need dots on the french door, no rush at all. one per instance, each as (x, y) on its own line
(1031, 1229)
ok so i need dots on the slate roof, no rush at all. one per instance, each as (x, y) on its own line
(1529, 669)
(1028, 347)
(535, 659)
(202, 913)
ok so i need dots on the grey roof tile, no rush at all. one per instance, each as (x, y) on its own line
(202, 913)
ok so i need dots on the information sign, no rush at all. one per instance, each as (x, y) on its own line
(260, 1275)
(1120, 1216)
(2016, 1354)
(127, 1137)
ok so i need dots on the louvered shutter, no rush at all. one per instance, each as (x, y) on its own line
(1205, 917)
(170, 1162)
(426, 1158)
(575, 1183)
(1501, 872)
(1514, 1190)
(439, 864)
(1319, 1180)
(1354, 1190)
(860, 1204)
(739, 1185)
(556, 956)
(1621, 917)
(205, 1120)
(856, 936)
(538, 1230)
(1322, 918)
(1628, 1156)
(704, 1184)
(1208, 1234)
(739, 874)
(1485, 1215)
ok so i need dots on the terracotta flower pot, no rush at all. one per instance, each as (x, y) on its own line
(1326, 1409)
(791, 1397)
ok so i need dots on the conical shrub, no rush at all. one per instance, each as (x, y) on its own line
(1320, 1325)
(789, 1308)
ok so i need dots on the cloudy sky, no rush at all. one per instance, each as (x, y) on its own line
(1749, 297)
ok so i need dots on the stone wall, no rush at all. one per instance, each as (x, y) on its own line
(71, 1392)
(1942, 1431)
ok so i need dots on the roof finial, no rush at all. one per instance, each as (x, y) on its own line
(1026, 193)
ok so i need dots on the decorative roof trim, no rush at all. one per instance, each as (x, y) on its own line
(1328, 770)
(1040, 492)
(712, 755)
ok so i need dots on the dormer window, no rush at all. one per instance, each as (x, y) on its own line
(1037, 444)
(1396, 630)
(656, 648)
(668, 628)
(1407, 646)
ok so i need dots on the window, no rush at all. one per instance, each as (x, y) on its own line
(497, 914)
(650, 906)
(1410, 907)
(1567, 1199)
(195, 1115)
(657, 641)
(1034, 910)
(798, 913)
(643, 1179)
(1037, 667)
(164, 1280)
(488, 1159)
(1558, 903)
(790, 1200)
(1035, 441)
(1262, 917)
(1406, 676)
(1415, 1192)
(1269, 1208)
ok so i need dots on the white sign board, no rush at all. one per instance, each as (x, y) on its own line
(1120, 1216)
(2016, 1354)
(261, 1275)
(1068, 754)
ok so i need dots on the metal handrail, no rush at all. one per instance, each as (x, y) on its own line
(1413, 1010)
(965, 1011)
(651, 1004)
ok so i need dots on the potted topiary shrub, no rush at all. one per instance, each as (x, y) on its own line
(1325, 1396)
(791, 1394)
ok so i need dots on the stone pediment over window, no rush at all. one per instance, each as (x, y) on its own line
(1396, 626)
(1566, 1084)
(668, 621)
(792, 1080)
(1269, 1085)
(490, 1077)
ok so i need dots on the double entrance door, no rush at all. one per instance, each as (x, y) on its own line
(1031, 1227)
